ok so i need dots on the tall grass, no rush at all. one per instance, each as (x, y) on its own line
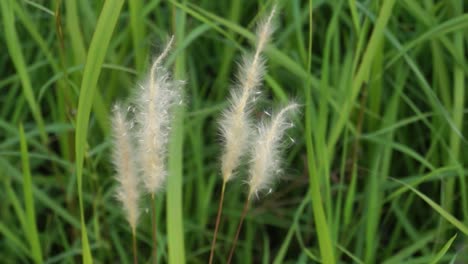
(377, 172)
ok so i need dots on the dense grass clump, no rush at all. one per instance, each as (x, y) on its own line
(376, 165)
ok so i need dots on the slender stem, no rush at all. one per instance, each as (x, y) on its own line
(244, 213)
(218, 218)
(135, 253)
(153, 224)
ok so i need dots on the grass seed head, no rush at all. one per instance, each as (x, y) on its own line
(124, 163)
(266, 152)
(156, 100)
(236, 127)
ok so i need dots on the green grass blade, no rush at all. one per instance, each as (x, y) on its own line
(363, 70)
(12, 238)
(41, 197)
(404, 254)
(436, 174)
(274, 54)
(448, 26)
(15, 202)
(137, 24)
(14, 44)
(31, 234)
(459, 76)
(175, 221)
(443, 250)
(73, 27)
(97, 50)
(30, 25)
(373, 210)
(442, 212)
(323, 232)
(350, 255)
(281, 253)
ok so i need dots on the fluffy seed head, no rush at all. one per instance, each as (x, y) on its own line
(235, 125)
(155, 102)
(236, 130)
(265, 29)
(124, 163)
(266, 160)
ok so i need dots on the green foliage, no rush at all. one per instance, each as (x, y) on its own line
(377, 173)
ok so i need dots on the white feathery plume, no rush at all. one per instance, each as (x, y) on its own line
(126, 174)
(235, 125)
(266, 160)
(155, 101)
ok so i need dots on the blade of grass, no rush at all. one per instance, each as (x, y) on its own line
(175, 221)
(235, 11)
(323, 232)
(13, 44)
(443, 250)
(321, 128)
(99, 43)
(350, 255)
(273, 53)
(287, 240)
(363, 71)
(41, 197)
(433, 99)
(31, 232)
(137, 24)
(15, 202)
(403, 149)
(79, 55)
(437, 31)
(436, 174)
(12, 238)
(354, 16)
(384, 153)
(459, 76)
(373, 209)
(404, 254)
(73, 27)
(31, 27)
(447, 216)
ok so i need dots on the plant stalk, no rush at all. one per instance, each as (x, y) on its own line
(244, 213)
(153, 226)
(135, 253)
(218, 218)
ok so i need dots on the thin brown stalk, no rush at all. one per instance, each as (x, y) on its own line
(239, 227)
(218, 218)
(153, 225)
(135, 252)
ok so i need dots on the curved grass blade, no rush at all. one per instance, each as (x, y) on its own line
(447, 216)
(31, 232)
(97, 50)
(443, 250)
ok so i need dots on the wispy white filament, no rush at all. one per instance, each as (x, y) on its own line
(124, 162)
(235, 125)
(154, 115)
(266, 159)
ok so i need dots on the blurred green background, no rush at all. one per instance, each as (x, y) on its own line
(377, 172)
